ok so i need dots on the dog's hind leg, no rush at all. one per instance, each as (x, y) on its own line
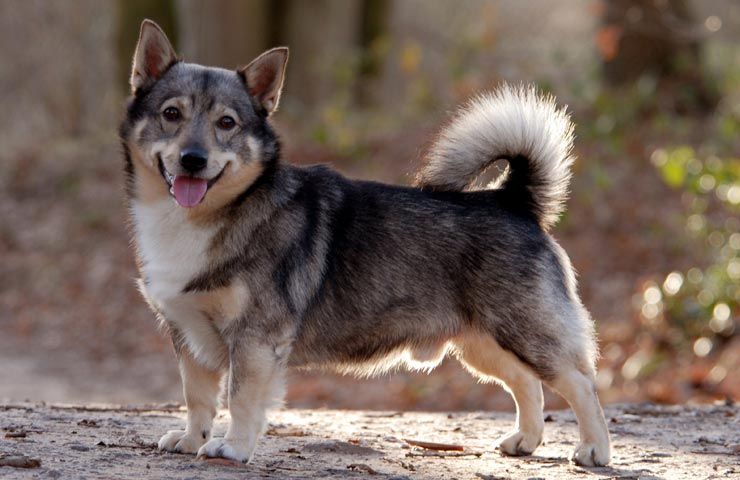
(577, 386)
(200, 386)
(572, 373)
(485, 358)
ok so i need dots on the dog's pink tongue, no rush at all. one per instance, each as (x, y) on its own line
(189, 191)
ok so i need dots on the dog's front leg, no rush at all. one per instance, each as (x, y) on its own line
(200, 386)
(256, 381)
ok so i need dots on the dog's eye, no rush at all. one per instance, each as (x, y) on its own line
(226, 123)
(171, 114)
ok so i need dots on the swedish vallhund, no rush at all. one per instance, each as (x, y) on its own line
(255, 266)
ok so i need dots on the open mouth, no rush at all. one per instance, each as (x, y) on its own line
(188, 191)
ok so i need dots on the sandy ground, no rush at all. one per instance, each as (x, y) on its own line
(99, 441)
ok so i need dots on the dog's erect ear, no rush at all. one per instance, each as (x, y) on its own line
(264, 77)
(154, 55)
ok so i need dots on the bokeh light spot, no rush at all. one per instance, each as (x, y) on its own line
(733, 194)
(705, 297)
(672, 283)
(695, 222)
(734, 241)
(713, 23)
(721, 312)
(652, 295)
(733, 269)
(633, 365)
(717, 374)
(716, 239)
(659, 157)
(707, 182)
(702, 346)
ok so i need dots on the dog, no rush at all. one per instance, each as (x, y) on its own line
(255, 266)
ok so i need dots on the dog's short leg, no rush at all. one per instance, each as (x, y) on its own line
(579, 390)
(256, 382)
(486, 359)
(200, 386)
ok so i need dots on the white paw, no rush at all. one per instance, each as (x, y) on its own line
(591, 455)
(236, 449)
(181, 441)
(519, 443)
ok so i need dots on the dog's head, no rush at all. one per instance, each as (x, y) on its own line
(199, 134)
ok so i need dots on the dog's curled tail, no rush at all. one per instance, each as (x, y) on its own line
(512, 123)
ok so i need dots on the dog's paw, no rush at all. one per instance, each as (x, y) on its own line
(519, 443)
(236, 449)
(181, 441)
(591, 455)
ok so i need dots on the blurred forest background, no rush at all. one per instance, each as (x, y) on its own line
(652, 224)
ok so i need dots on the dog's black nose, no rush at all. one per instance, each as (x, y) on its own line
(193, 160)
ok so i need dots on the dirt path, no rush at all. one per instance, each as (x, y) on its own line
(119, 442)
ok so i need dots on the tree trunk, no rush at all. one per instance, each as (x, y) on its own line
(224, 33)
(58, 71)
(323, 36)
(130, 15)
(654, 37)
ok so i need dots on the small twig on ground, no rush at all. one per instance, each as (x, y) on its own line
(715, 452)
(285, 432)
(134, 445)
(361, 467)
(443, 447)
(224, 462)
(384, 415)
(444, 454)
(159, 407)
(490, 477)
(19, 461)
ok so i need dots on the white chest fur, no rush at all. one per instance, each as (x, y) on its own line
(173, 251)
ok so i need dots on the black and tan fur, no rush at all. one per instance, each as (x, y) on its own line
(281, 266)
